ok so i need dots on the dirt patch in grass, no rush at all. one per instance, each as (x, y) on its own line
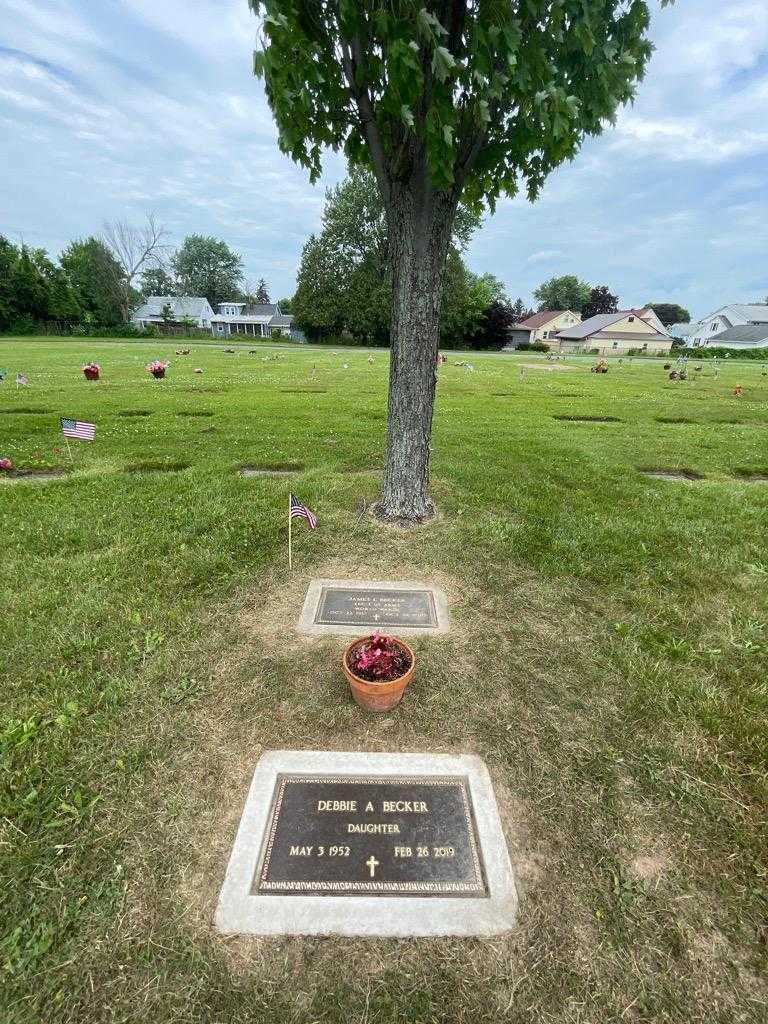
(662, 473)
(32, 475)
(135, 412)
(549, 367)
(619, 909)
(24, 411)
(304, 391)
(195, 412)
(157, 466)
(674, 420)
(587, 419)
(202, 391)
(756, 476)
(271, 469)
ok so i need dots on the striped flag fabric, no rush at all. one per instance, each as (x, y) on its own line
(302, 512)
(78, 430)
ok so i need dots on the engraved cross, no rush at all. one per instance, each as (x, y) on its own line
(372, 863)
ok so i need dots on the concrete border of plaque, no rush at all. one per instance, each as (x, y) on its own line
(276, 883)
(354, 607)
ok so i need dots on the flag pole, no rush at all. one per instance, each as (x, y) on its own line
(69, 450)
(290, 553)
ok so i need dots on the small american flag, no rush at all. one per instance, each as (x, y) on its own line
(302, 512)
(78, 430)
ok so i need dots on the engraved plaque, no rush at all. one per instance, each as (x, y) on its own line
(343, 606)
(371, 835)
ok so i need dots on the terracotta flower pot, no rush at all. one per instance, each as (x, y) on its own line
(91, 374)
(377, 696)
(158, 374)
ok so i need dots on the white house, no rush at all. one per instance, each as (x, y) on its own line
(190, 309)
(726, 318)
(259, 321)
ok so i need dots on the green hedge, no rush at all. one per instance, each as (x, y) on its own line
(722, 353)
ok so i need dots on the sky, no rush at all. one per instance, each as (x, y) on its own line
(110, 109)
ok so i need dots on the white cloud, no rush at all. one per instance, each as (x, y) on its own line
(111, 109)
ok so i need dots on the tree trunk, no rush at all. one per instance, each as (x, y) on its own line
(419, 232)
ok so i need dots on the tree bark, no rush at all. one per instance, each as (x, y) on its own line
(420, 222)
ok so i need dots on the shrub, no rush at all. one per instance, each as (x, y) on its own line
(722, 352)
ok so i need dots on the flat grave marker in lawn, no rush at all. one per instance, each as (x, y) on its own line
(353, 606)
(368, 844)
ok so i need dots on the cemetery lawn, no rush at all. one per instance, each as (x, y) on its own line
(608, 660)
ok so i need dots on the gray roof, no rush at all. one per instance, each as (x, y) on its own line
(260, 309)
(599, 323)
(181, 305)
(281, 320)
(681, 330)
(750, 334)
(757, 314)
(595, 323)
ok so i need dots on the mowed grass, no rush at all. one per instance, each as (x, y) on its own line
(607, 659)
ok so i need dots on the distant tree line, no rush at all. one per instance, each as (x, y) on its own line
(569, 292)
(344, 284)
(343, 292)
(98, 281)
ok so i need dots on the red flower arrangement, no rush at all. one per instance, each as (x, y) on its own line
(6, 464)
(91, 371)
(157, 368)
(379, 659)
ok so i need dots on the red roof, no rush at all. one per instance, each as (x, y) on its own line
(539, 319)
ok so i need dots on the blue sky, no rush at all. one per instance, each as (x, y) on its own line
(111, 108)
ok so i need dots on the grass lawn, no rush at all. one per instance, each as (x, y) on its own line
(608, 659)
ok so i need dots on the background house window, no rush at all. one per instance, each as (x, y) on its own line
(631, 319)
(615, 344)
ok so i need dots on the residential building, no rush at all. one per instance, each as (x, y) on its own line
(748, 336)
(254, 320)
(681, 332)
(542, 326)
(173, 311)
(627, 330)
(727, 317)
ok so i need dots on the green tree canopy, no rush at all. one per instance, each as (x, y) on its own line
(344, 282)
(566, 292)
(33, 289)
(158, 281)
(206, 266)
(670, 313)
(520, 311)
(599, 300)
(442, 100)
(96, 278)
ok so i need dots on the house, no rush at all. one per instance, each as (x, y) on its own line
(256, 321)
(748, 336)
(628, 330)
(727, 317)
(173, 311)
(681, 332)
(542, 326)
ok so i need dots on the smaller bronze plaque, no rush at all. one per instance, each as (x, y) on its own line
(350, 606)
(371, 835)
